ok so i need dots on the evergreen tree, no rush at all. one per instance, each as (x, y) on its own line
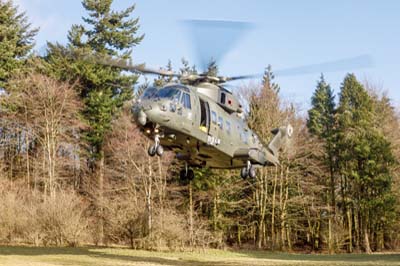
(16, 39)
(365, 159)
(212, 68)
(104, 89)
(265, 111)
(186, 68)
(268, 81)
(321, 123)
(320, 120)
(161, 81)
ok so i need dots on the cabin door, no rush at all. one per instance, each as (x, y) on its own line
(204, 116)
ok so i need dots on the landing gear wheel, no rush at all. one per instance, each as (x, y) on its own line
(244, 173)
(182, 174)
(186, 174)
(152, 150)
(190, 174)
(159, 150)
(252, 172)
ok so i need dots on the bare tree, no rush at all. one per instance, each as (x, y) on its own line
(142, 180)
(47, 112)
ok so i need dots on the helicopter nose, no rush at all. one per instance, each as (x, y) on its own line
(142, 118)
(139, 115)
(156, 113)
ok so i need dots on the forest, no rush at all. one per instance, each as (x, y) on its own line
(74, 169)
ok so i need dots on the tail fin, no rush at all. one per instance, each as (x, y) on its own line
(282, 135)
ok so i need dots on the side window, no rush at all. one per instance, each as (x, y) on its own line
(177, 97)
(228, 127)
(220, 123)
(186, 101)
(223, 98)
(214, 117)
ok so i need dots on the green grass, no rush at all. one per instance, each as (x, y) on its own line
(16, 256)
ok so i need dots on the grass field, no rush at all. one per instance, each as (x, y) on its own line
(29, 256)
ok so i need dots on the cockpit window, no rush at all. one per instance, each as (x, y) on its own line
(169, 92)
(172, 92)
(148, 93)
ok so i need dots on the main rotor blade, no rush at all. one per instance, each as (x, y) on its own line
(251, 76)
(352, 63)
(141, 68)
(212, 39)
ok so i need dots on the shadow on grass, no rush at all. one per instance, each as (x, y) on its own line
(320, 257)
(162, 259)
(96, 253)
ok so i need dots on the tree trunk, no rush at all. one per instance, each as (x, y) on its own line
(149, 200)
(191, 234)
(273, 238)
(367, 246)
(28, 168)
(330, 239)
(215, 211)
(350, 229)
(357, 226)
(239, 238)
(100, 175)
(261, 196)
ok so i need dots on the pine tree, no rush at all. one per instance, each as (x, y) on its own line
(365, 159)
(321, 123)
(161, 81)
(186, 69)
(320, 120)
(16, 39)
(212, 68)
(265, 110)
(104, 89)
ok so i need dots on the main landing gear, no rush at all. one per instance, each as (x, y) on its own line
(156, 148)
(249, 170)
(186, 173)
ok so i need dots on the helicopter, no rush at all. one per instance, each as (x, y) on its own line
(202, 122)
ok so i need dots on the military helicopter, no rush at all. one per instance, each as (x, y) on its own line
(203, 122)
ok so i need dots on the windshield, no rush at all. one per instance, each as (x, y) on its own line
(169, 92)
(149, 92)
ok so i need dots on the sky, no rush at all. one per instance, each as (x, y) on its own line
(285, 34)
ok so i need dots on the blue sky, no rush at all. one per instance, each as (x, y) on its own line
(286, 34)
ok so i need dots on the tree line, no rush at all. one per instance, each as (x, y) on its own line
(74, 169)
